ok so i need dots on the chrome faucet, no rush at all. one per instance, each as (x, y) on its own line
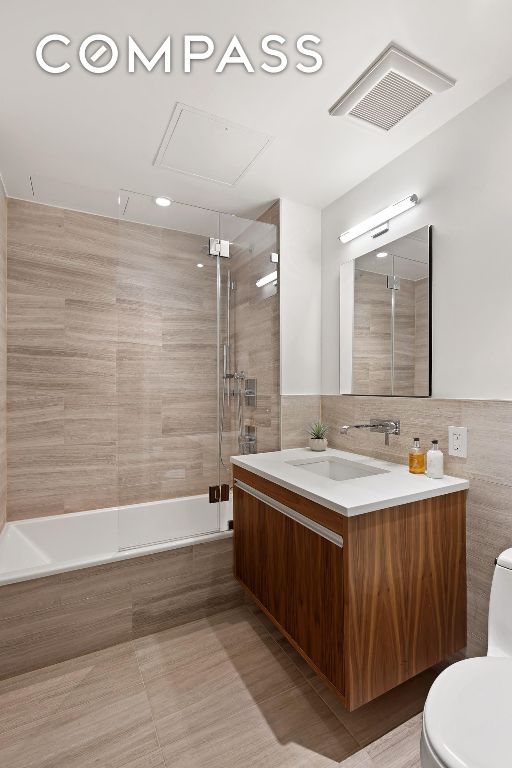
(385, 426)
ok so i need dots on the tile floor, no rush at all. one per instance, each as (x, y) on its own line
(218, 692)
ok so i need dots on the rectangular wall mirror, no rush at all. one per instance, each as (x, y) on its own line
(385, 319)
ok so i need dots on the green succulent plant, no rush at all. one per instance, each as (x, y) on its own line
(318, 430)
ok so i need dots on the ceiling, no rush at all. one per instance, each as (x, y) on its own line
(83, 137)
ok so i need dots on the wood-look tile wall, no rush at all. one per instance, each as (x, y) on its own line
(256, 325)
(372, 335)
(297, 413)
(376, 340)
(112, 361)
(108, 326)
(259, 339)
(421, 337)
(3, 355)
(48, 620)
(404, 344)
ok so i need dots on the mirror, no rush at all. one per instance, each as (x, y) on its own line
(385, 319)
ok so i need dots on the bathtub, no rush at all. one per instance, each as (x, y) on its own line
(48, 545)
(76, 583)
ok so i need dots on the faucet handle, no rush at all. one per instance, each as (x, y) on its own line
(388, 426)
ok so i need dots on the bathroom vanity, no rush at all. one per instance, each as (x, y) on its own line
(359, 564)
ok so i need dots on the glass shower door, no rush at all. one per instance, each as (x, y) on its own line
(249, 341)
(197, 363)
(167, 371)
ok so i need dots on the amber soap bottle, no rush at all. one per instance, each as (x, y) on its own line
(417, 458)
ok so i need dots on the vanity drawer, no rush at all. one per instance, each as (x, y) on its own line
(328, 518)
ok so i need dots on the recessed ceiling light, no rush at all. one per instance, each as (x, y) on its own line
(163, 202)
(381, 255)
(200, 266)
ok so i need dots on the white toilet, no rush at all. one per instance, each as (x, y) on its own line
(467, 721)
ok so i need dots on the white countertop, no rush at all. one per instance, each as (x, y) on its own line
(396, 485)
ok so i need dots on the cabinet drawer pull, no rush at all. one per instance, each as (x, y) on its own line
(325, 533)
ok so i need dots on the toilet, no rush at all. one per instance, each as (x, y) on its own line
(467, 720)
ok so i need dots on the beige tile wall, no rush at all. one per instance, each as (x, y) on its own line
(404, 339)
(373, 346)
(421, 338)
(297, 413)
(112, 361)
(3, 355)
(256, 329)
(107, 323)
(372, 336)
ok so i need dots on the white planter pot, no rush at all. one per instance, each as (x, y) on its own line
(317, 444)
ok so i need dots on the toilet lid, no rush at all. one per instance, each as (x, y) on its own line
(468, 714)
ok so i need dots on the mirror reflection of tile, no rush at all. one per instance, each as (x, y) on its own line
(390, 345)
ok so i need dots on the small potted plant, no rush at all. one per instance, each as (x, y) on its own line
(318, 436)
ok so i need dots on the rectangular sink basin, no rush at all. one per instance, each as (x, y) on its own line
(336, 468)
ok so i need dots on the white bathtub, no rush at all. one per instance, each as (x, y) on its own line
(47, 545)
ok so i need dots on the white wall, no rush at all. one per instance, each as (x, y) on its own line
(463, 176)
(300, 299)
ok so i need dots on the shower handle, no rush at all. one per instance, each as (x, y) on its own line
(227, 363)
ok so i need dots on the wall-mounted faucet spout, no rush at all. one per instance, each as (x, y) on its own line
(344, 430)
(386, 426)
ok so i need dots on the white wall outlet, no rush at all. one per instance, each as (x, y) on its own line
(458, 442)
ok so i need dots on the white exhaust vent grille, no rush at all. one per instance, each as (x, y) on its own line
(392, 99)
(394, 86)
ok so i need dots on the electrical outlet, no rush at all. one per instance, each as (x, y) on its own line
(458, 441)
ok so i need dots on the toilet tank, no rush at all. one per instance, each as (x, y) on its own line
(500, 608)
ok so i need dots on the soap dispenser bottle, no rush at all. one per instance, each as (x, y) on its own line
(417, 458)
(435, 462)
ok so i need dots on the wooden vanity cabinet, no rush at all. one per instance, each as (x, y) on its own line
(368, 601)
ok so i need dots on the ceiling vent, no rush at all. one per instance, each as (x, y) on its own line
(390, 89)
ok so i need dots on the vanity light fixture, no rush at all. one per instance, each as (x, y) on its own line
(379, 218)
(267, 279)
(380, 230)
(163, 202)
